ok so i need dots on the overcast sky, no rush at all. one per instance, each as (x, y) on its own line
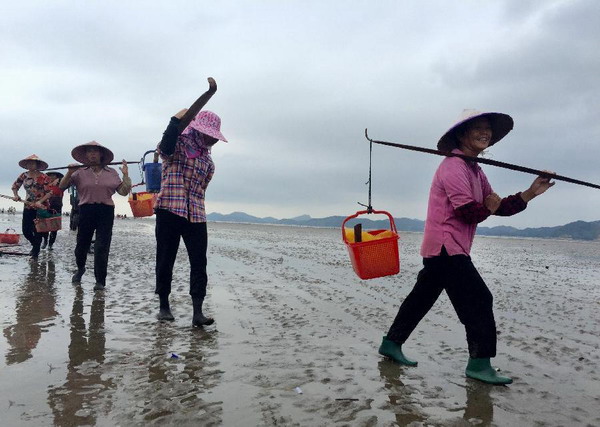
(299, 81)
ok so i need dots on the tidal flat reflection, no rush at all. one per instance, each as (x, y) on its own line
(73, 403)
(35, 305)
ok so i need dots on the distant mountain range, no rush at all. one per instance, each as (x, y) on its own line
(578, 230)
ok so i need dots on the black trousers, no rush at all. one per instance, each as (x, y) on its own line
(97, 218)
(28, 228)
(169, 229)
(468, 293)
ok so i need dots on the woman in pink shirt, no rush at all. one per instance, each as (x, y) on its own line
(460, 197)
(95, 184)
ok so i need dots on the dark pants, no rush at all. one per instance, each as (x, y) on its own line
(98, 218)
(468, 293)
(49, 237)
(169, 229)
(28, 227)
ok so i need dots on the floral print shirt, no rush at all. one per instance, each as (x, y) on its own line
(36, 188)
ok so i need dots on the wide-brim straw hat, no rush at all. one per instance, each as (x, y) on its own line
(79, 153)
(501, 125)
(41, 164)
(208, 123)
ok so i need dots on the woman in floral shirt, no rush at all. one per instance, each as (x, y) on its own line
(37, 195)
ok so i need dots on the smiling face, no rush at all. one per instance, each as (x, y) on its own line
(476, 137)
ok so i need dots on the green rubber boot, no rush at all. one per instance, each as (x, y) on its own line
(392, 350)
(481, 369)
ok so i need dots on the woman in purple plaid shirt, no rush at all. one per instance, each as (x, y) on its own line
(187, 170)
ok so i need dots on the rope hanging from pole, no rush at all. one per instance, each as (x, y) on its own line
(369, 206)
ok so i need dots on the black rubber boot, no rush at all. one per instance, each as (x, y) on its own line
(164, 312)
(99, 286)
(199, 319)
(78, 275)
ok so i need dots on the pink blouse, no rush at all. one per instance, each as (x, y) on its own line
(455, 183)
(96, 187)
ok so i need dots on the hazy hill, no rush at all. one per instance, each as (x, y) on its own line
(578, 230)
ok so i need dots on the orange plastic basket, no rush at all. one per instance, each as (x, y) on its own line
(374, 258)
(10, 238)
(142, 204)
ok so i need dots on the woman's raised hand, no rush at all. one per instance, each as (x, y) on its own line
(124, 168)
(180, 114)
(542, 183)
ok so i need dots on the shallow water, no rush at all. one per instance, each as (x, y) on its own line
(291, 313)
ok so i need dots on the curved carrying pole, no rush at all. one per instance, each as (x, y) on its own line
(485, 161)
(85, 166)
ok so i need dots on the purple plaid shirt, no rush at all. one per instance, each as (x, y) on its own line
(183, 184)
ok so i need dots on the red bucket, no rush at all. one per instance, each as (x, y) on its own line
(142, 203)
(374, 258)
(10, 238)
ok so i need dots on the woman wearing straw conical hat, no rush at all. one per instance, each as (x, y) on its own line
(187, 169)
(36, 186)
(95, 183)
(460, 197)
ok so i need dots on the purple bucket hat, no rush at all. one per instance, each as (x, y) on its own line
(208, 123)
(501, 124)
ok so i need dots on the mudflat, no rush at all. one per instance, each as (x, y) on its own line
(296, 336)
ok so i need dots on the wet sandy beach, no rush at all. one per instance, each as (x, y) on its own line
(292, 316)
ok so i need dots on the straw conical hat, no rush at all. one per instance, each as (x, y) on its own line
(78, 153)
(501, 124)
(41, 164)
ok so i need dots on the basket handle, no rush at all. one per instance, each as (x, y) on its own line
(144, 157)
(392, 223)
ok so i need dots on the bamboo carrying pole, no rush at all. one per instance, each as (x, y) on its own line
(85, 166)
(485, 161)
(12, 198)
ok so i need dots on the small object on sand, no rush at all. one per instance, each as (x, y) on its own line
(298, 390)
(174, 356)
(349, 399)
